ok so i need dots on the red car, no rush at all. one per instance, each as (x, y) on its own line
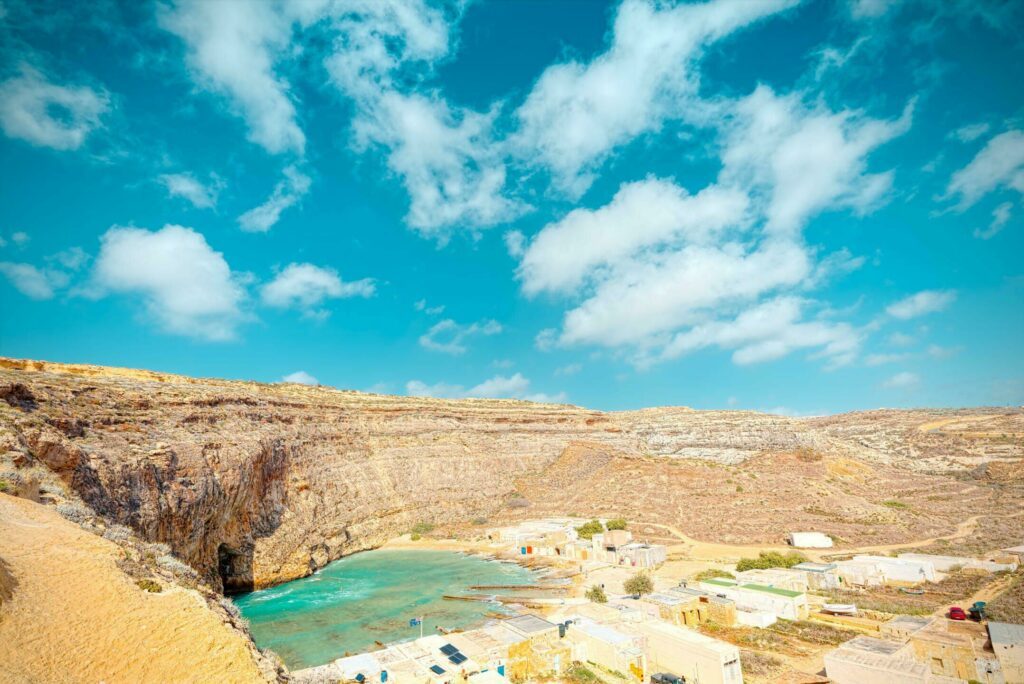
(957, 613)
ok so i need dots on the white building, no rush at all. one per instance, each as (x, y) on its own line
(783, 603)
(866, 660)
(820, 575)
(856, 573)
(947, 563)
(781, 578)
(682, 651)
(901, 570)
(607, 646)
(810, 540)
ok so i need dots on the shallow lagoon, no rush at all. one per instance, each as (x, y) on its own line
(368, 597)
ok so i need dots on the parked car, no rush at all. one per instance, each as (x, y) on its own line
(957, 613)
(665, 678)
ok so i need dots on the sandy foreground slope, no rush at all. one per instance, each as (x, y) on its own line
(73, 616)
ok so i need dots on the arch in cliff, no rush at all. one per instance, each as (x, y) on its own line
(234, 566)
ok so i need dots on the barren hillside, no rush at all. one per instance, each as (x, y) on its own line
(256, 484)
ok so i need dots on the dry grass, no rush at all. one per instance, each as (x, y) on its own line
(955, 587)
(1009, 606)
(814, 632)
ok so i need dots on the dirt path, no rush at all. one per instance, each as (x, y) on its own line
(75, 617)
(695, 549)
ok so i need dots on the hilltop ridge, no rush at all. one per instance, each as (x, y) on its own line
(254, 484)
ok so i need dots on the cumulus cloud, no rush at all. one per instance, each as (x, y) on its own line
(49, 115)
(450, 337)
(200, 195)
(642, 215)
(300, 378)
(999, 165)
(187, 288)
(20, 238)
(29, 280)
(232, 49)
(882, 359)
(453, 175)
(305, 287)
(289, 190)
(659, 272)
(770, 331)
(903, 380)
(805, 158)
(921, 303)
(498, 387)
(577, 113)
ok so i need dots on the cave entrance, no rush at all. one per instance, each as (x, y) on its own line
(235, 570)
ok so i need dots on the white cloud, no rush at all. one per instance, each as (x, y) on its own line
(422, 305)
(882, 359)
(970, 132)
(644, 214)
(515, 243)
(871, 9)
(577, 113)
(49, 115)
(301, 378)
(659, 272)
(1000, 164)
(28, 280)
(454, 175)
(569, 369)
(72, 258)
(232, 49)
(186, 286)
(1000, 217)
(449, 337)
(924, 302)
(903, 380)
(898, 339)
(770, 331)
(498, 387)
(805, 159)
(287, 193)
(202, 196)
(20, 238)
(306, 287)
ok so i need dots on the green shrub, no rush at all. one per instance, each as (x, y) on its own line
(639, 584)
(579, 674)
(479, 521)
(149, 585)
(893, 503)
(422, 528)
(616, 524)
(771, 559)
(712, 573)
(588, 530)
(596, 594)
(415, 537)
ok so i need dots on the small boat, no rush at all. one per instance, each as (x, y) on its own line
(913, 592)
(840, 608)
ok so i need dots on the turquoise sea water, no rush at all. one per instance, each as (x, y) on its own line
(368, 597)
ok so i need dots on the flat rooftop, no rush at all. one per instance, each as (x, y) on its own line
(1005, 634)
(529, 624)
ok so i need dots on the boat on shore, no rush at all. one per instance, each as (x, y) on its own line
(839, 608)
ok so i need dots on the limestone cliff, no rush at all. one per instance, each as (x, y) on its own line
(256, 484)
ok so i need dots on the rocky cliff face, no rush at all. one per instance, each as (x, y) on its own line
(256, 484)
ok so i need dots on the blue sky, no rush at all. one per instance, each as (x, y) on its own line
(800, 207)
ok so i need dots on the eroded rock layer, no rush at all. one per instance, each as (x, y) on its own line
(255, 484)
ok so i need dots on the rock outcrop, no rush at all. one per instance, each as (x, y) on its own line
(255, 484)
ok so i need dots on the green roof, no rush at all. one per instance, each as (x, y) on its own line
(771, 590)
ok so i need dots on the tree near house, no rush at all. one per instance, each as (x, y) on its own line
(596, 594)
(616, 524)
(639, 584)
